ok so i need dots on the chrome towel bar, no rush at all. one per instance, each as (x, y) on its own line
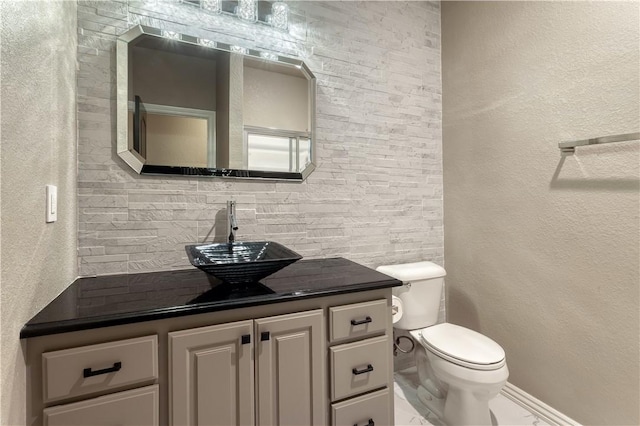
(569, 147)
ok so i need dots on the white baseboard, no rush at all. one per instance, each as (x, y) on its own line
(537, 407)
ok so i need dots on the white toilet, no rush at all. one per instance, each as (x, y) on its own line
(460, 370)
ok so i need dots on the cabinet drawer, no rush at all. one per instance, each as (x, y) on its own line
(95, 368)
(138, 407)
(359, 367)
(358, 320)
(370, 409)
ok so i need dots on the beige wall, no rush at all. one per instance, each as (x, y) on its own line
(542, 253)
(38, 126)
(177, 141)
(186, 81)
(261, 87)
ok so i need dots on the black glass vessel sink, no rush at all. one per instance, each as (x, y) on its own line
(241, 262)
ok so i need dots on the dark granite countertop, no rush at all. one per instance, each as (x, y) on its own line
(123, 299)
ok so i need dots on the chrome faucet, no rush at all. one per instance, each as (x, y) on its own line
(232, 225)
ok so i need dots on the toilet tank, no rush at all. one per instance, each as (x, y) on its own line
(420, 294)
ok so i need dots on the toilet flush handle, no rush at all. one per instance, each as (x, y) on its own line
(369, 423)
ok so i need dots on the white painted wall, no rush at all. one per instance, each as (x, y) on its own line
(542, 253)
(38, 133)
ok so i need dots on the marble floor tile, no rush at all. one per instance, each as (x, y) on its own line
(410, 411)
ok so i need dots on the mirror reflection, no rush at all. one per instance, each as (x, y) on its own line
(192, 108)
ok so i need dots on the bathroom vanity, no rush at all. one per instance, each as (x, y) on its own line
(310, 345)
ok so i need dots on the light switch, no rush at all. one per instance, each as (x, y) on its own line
(52, 203)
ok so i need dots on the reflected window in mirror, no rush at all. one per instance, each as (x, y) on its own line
(277, 152)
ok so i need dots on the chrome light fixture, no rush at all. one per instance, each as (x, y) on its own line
(206, 43)
(280, 15)
(239, 49)
(269, 56)
(247, 10)
(174, 35)
(213, 6)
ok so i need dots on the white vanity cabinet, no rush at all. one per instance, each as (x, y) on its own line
(284, 363)
(212, 380)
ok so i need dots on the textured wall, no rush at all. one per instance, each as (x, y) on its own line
(543, 252)
(376, 195)
(38, 65)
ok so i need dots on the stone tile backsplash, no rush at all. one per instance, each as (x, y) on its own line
(376, 194)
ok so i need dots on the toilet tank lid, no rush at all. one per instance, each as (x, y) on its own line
(413, 271)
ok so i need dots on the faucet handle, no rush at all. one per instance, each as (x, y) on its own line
(232, 224)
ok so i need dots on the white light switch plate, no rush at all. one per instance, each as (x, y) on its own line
(52, 203)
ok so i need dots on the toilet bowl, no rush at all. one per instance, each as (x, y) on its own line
(459, 369)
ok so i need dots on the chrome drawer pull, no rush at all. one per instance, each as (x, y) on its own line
(369, 423)
(88, 373)
(364, 321)
(356, 372)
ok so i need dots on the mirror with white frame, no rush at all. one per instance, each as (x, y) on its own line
(191, 106)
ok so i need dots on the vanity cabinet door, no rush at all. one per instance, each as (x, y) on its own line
(211, 375)
(290, 379)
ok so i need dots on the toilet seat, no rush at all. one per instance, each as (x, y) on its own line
(462, 346)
